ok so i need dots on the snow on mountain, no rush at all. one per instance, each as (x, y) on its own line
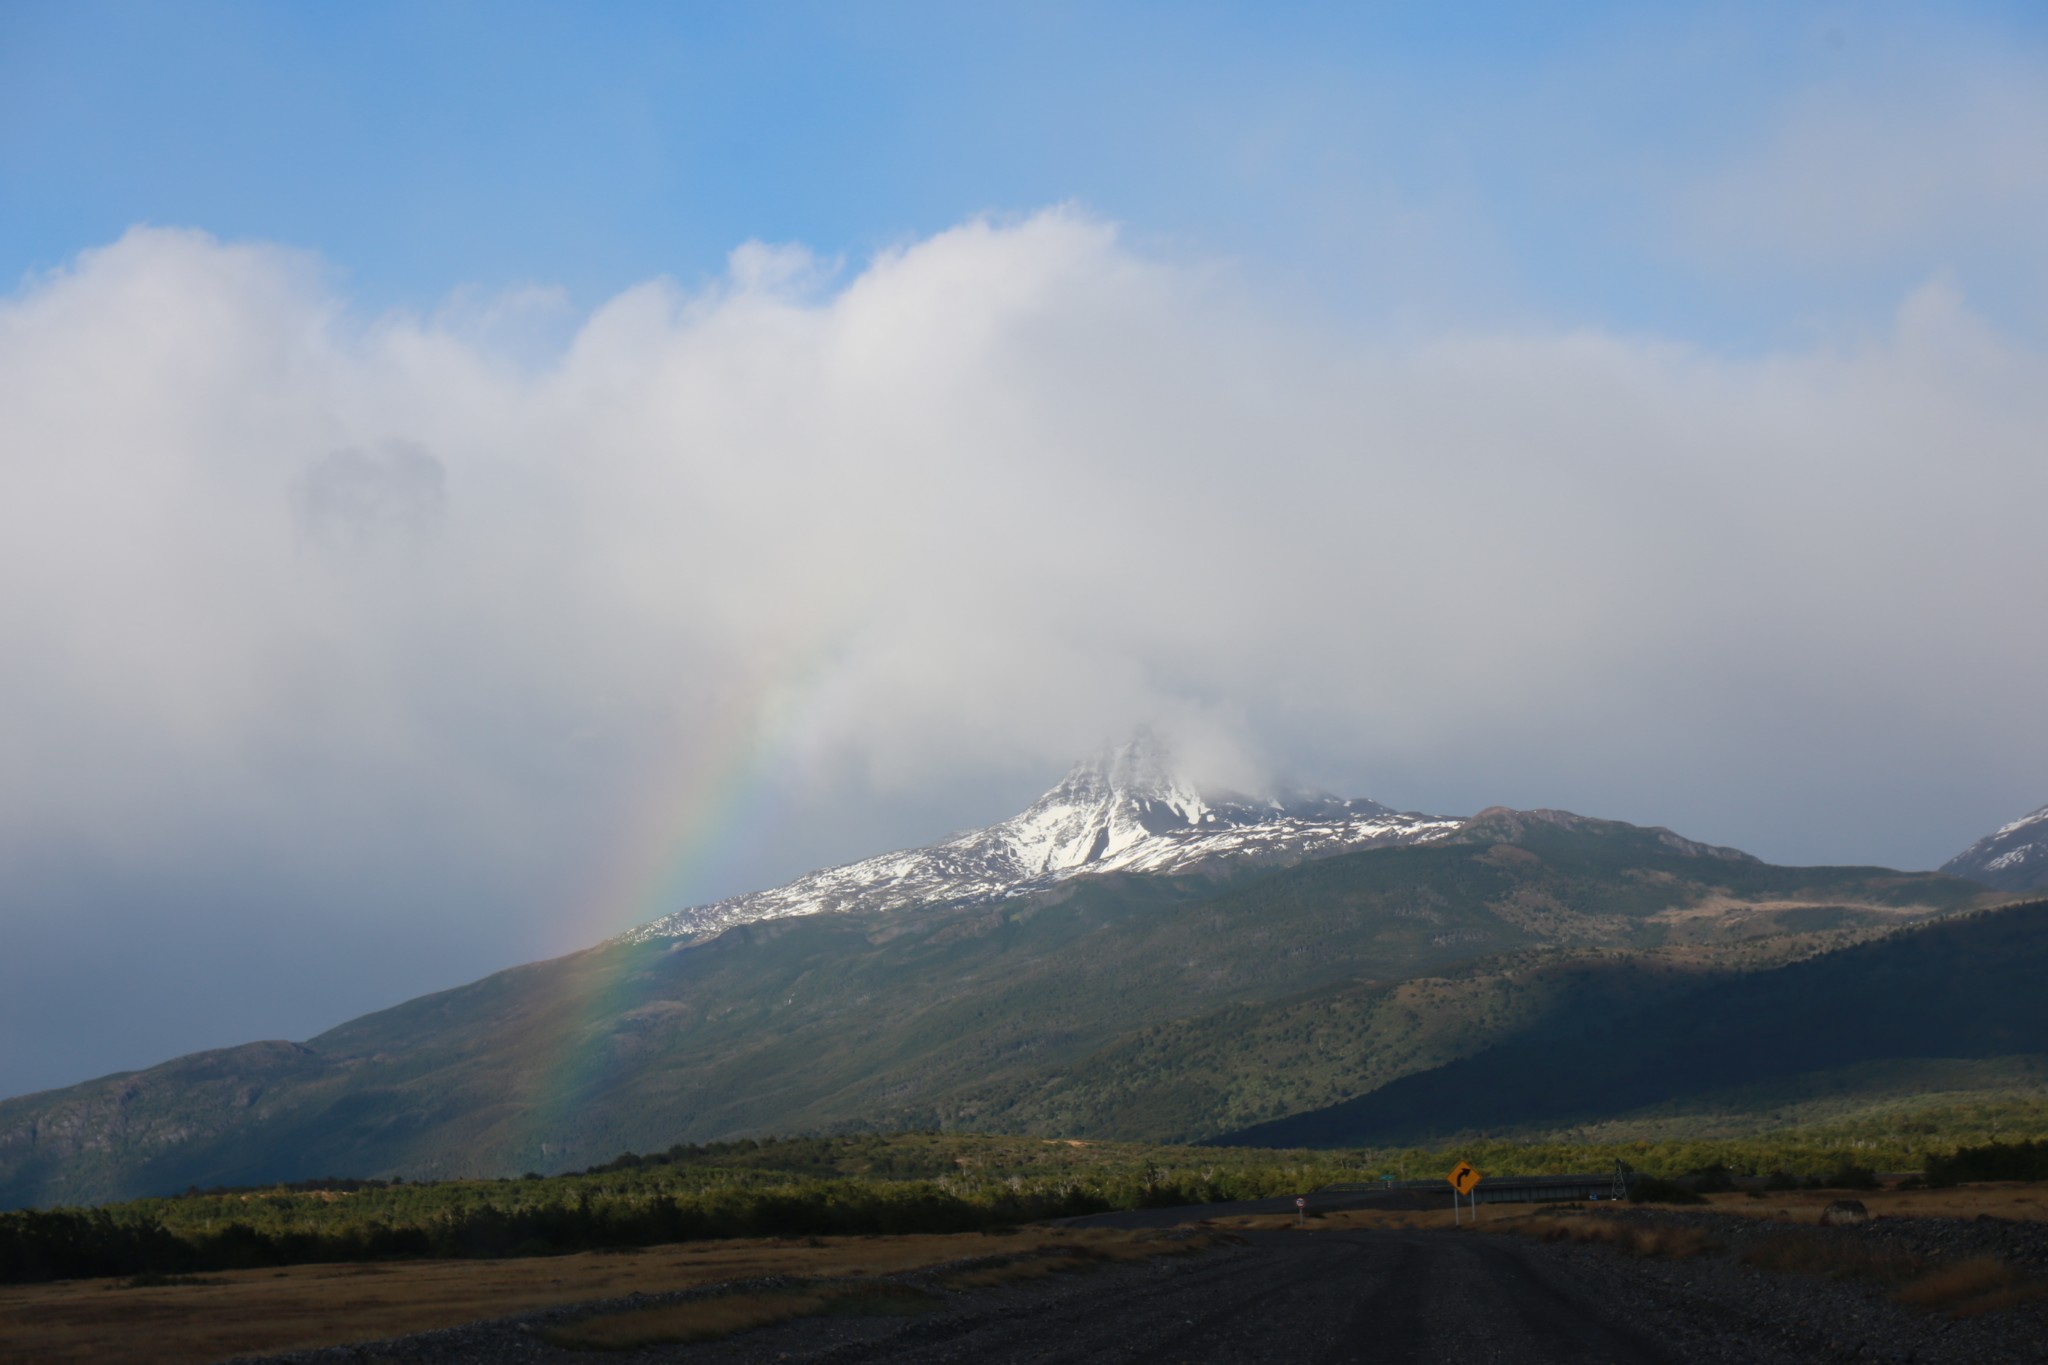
(1125, 811)
(2013, 857)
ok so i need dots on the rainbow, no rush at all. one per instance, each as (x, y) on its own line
(687, 814)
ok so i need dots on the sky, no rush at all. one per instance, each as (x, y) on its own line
(477, 477)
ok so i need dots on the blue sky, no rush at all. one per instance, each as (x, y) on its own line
(474, 477)
(1401, 163)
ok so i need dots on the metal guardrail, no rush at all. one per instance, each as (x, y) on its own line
(1499, 1189)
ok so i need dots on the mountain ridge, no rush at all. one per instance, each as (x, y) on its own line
(1140, 1005)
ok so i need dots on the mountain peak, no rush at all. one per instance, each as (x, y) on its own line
(1130, 808)
(2013, 857)
(1135, 781)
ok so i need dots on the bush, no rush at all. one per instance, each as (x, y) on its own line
(64, 1244)
(1993, 1161)
(1714, 1179)
(1650, 1189)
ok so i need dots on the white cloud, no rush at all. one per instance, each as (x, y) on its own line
(1911, 160)
(280, 582)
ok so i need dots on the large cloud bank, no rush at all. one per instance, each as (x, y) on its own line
(326, 634)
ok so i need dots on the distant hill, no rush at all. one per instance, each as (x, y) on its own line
(2011, 858)
(1960, 990)
(1154, 1005)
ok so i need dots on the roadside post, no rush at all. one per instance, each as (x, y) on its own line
(1464, 1179)
(1301, 1210)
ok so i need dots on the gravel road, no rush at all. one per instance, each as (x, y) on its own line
(1334, 1296)
(1326, 1297)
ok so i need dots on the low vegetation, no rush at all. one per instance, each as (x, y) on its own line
(844, 1186)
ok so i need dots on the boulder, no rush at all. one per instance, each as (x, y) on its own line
(1844, 1213)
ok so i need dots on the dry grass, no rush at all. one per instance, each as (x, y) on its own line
(722, 1315)
(254, 1312)
(1968, 1288)
(1037, 1265)
(1838, 1258)
(2021, 1202)
(1634, 1239)
(1399, 1220)
(1959, 1283)
(1010, 1272)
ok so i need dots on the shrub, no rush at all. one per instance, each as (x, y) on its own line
(1714, 1179)
(1650, 1189)
(1993, 1161)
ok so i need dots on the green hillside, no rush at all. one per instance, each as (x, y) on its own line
(1939, 1007)
(1127, 1007)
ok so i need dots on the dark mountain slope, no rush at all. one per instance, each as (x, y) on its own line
(1064, 1013)
(1968, 987)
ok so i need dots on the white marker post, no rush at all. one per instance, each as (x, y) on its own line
(1301, 1210)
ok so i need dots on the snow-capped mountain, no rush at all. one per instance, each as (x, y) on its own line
(1125, 811)
(2011, 858)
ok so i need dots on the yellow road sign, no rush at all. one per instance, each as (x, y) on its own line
(1463, 1177)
